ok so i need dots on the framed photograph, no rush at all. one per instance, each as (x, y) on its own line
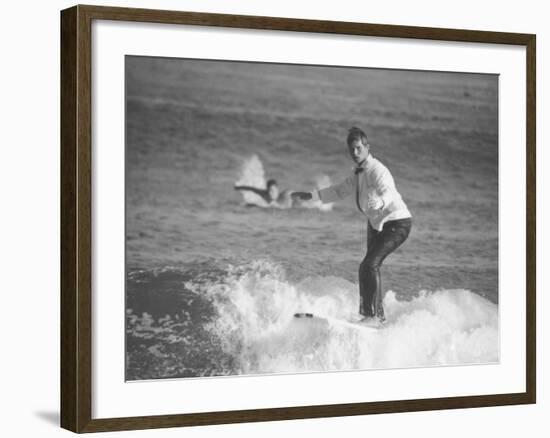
(270, 218)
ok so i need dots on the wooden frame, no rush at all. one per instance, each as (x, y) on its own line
(76, 218)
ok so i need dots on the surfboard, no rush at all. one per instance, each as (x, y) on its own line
(319, 321)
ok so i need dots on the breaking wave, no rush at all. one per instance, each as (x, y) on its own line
(239, 320)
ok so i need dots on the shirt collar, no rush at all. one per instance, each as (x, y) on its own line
(364, 164)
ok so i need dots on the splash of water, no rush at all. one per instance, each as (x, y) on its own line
(255, 306)
(252, 174)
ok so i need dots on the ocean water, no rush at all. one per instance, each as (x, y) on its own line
(212, 283)
(207, 320)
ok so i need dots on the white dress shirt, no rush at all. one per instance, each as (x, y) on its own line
(371, 180)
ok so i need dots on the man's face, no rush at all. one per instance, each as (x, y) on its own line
(358, 151)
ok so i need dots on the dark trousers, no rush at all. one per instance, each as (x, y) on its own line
(379, 245)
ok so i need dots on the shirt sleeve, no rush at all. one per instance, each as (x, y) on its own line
(338, 191)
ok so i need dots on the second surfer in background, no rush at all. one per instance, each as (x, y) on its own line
(389, 220)
(271, 194)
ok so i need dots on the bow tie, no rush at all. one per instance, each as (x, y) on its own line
(359, 170)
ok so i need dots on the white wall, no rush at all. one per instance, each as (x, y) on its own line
(29, 181)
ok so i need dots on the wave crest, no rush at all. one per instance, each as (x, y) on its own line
(255, 305)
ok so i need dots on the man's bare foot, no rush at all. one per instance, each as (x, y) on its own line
(370, 321)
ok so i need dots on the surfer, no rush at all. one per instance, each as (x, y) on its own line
(271, 194)
(388, 218)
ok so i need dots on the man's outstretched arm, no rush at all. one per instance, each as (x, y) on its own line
(256, 190)
(336, 191)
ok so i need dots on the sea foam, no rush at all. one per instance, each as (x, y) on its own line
(255, 306)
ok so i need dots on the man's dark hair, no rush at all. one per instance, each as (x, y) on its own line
(271, 182)
(355, 134)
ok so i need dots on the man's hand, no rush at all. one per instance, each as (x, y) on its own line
(374, 202)
(301, 196)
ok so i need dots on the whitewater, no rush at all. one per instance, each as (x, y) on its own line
(250, 327)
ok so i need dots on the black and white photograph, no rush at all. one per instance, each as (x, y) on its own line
(286, 218)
